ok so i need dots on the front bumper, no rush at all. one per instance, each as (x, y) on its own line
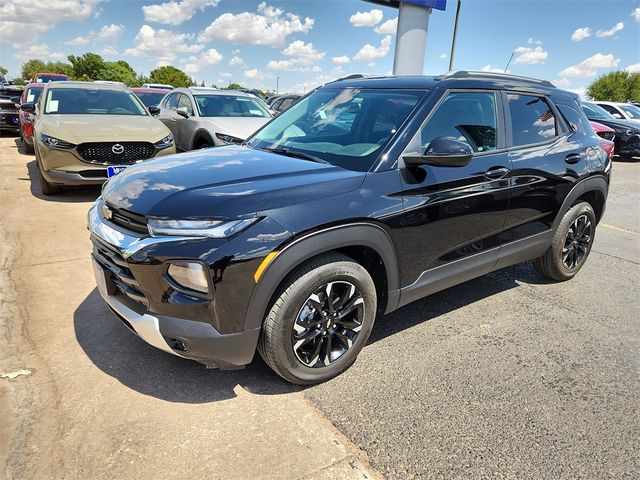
(191, 339)
(9, 120)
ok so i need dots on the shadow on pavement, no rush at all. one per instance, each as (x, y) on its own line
(76, 194)
(119, 353)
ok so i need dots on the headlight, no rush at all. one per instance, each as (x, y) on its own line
(228, 138)
(190, 275)
(54, 142)
(166, 142)
(197, 228)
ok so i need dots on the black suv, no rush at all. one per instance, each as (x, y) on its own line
(367, 194)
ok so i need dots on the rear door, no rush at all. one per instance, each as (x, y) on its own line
(454, 215)
(547, 158)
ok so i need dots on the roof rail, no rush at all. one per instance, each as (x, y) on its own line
(494, 75)
(348, 77)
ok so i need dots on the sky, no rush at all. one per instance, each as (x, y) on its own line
(299, 44)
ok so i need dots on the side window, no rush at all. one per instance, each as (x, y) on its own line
(576, 118)
(610, 109)
(286, 103)
(185, 101)
(172, 101)
(468, 117)
(532, 121)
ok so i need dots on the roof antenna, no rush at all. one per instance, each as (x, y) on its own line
(509, 62)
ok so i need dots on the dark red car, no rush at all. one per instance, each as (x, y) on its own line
(606, 135)
(49, 77)
(31, 94)
(150, 96)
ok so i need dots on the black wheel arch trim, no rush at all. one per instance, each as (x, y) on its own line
(316, 243)
(201, 134)
(597, 183)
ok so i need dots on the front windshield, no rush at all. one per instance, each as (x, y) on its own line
(151, 99)
(92, 102)
(347, 127)
(33, 94)
(631, 110)
(596, 111)
(229, 106)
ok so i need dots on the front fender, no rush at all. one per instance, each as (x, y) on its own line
(313, 244)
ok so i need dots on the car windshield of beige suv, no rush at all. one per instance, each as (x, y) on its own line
(229, 106)
(82, 101)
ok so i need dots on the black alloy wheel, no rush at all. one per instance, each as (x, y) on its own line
(328, 324)
(577, 242)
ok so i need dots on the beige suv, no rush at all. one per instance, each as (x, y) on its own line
(85, 133)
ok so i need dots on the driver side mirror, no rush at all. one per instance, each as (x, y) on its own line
(442, 152)
(15, 100)
(28, 107)
(182, 111)
(154, 111)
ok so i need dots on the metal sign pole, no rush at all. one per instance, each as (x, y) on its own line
(411, 40)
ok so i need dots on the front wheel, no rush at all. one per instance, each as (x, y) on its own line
(321, 319)
(571, 244)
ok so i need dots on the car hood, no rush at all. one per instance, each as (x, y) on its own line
(103, 128)
(239, 127)
(224, 182)
(619, 124)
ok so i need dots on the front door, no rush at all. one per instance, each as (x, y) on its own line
(454, 215)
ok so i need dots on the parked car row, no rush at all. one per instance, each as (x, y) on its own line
(626, 132)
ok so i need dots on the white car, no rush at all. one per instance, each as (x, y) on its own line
(161, 86)
(622, 111)
(201, 118)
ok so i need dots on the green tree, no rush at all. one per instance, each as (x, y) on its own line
(234, 86)
(170, 76)
(31, 67)
(3, 70)
(119, 71)
(620, 86)
(88, 65)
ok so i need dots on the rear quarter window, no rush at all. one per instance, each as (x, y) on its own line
(532, 120)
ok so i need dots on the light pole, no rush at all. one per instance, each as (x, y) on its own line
(455, 34)
(277, 83)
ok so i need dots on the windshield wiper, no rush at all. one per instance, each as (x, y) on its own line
(296, 154)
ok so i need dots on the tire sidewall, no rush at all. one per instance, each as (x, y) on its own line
(561, 234)
(302, 288)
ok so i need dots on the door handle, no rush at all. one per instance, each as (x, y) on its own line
(573, 158)
(497, 173)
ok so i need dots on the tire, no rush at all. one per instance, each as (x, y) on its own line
(203, 143)
(571, 244)
(293, 305)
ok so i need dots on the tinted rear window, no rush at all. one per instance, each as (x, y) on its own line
(532, 120)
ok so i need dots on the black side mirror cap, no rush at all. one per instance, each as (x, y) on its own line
(15, 100)
(182, 113)
(154, 110)
(442, 152)
(28, 107)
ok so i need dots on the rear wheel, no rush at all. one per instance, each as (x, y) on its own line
(571, 244)
(320, 320)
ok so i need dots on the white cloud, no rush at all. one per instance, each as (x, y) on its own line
(581, 33)
(562, 82)
(161, 44)
(19, 17)
(369, 52)
(78, 41)
(303, 53)
(492, 69)
(270, 26)
(38, 51)
(236, 62)
(530, 56)
(109, 51)
(533, 41)
(635, 68)
(589, 67)
(443, 55)
(175, 12)
(206, 58)
(389, 27)
(611, 32)
(636, 14)
(582, 91)
(109, 33)
(286, 65)
(252, 73)
(366, 19)
(342, 60)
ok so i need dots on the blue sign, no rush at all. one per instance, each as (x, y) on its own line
(437, 4)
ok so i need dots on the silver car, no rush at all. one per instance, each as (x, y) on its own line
(201, 118)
